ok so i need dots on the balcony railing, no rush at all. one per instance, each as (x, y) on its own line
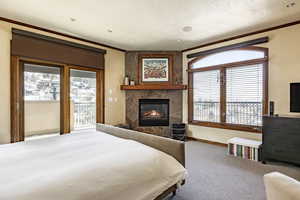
(84, 115)
(246, 113)
(207, 111)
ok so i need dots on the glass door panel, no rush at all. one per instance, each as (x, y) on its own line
(41, 101)
(83, 99)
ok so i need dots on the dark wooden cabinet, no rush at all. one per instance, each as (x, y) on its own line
(281, 139)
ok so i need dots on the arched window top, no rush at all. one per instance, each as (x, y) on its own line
(231, 56)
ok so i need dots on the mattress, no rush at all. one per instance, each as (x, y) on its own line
(85, 166)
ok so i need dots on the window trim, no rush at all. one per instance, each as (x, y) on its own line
(222, 68)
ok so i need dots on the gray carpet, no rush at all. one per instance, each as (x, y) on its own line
(213, 175)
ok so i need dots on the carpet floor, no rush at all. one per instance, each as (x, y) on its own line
(213, 175)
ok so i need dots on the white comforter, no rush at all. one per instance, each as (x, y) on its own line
(85, 166)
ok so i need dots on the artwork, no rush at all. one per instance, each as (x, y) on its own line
(155, 69)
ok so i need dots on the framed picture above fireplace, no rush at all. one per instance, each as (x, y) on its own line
(155, 68)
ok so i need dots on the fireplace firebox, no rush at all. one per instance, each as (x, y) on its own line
(153, 112)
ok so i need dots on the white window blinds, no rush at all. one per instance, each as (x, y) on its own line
(244, 95)
(206, 96)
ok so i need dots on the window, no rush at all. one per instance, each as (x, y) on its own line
(229, 89)
(41, 83)
(207, 96)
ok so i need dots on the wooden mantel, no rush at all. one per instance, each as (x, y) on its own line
(153, 87)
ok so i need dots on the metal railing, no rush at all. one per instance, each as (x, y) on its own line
(84, 115)
(207, 111)
(245, 113)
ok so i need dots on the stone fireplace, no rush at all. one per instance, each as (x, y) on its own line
(159, 99)
(153, 112)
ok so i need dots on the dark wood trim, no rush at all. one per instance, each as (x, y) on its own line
(55, 40)
(253, 129)
(40, 62)
(207, 141)
(266, 84)
(153, 87)
(100, 97)
(58, 33)
(190, 97)
(65, 113)
(222, 68)
(17, 102)
(230, 47)
(170, 58)
(244, 35)
(103, 96)
(223, 95)
(85, 68)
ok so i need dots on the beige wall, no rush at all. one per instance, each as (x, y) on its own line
(284, 68)
(114, 73)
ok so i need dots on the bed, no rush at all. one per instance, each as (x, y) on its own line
(108, 164)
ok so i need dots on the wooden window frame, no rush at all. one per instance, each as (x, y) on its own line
(17, 95)
(222, 68)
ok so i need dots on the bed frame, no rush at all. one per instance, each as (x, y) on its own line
(172, 147)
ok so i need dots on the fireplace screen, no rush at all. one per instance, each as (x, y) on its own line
(154, 112)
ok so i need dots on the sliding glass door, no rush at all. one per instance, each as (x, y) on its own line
(52, 98)
(41, 101)
(83, 89)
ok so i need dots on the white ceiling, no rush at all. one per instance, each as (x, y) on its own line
(152, 24)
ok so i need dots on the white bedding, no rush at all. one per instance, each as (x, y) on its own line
(85, 166)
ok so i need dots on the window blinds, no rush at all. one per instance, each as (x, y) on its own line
(244, 95)
(206, 94)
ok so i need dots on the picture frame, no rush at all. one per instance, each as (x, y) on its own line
(155, 69)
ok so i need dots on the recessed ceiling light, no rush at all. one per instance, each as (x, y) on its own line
(187, 28)
(109, 30)
(72, 19)
(292, 4)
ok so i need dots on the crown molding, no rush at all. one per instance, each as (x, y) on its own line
(123, 50)
(58, 33)
(244, 35)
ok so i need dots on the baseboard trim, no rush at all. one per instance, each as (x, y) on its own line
(207, 141)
